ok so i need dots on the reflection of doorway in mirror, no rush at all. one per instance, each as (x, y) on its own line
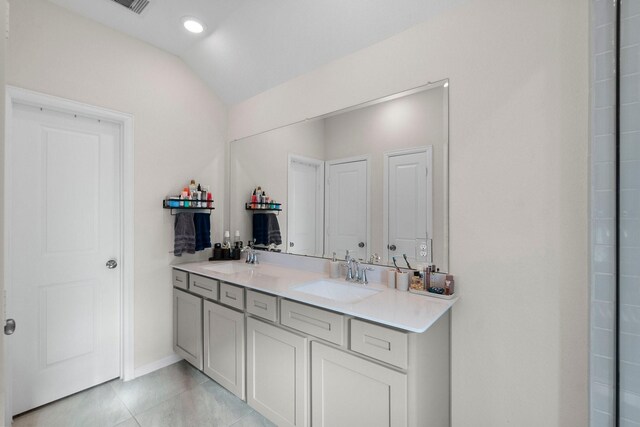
(305, 198)
(408, 204)
(347, 207)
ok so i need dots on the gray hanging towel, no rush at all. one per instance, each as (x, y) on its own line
(185, 234)
(273, 229)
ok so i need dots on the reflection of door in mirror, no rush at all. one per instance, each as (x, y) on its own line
(305, 198)
(408, 204)
(347, 207)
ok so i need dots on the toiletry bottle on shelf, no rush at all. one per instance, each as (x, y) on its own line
(192, 186)
(258, 197)
(264, 201)
(254, 199)
(209, 200)
(199, 198)
(186, 197)
(236, 239)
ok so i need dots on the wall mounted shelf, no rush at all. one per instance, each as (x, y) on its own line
(195, 209)
(263, 207)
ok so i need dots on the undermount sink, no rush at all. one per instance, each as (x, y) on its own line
(229, 268)
(336, 291)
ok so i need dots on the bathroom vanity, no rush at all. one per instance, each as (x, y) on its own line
(304, 350)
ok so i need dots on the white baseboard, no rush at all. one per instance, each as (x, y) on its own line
(158, 364)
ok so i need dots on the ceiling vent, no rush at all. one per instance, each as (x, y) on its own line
(136, 6)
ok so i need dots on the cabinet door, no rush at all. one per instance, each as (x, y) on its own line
(224, 347)
(187, 327)
(277, 373)
(349, 391)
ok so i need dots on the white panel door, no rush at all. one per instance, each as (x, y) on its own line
(64, 225)
(409, 202)
(305, 214)
(346, 207)
(347, 391)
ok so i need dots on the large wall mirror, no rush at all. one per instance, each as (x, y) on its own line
(371, 179)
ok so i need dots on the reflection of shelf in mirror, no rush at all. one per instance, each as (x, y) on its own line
(169, 204)
(263, 207)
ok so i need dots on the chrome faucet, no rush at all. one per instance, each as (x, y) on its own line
(356, 272)
(252, 255)
(361, 274)
(350, 271)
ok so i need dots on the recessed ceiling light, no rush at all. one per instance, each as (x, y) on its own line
(193, 25)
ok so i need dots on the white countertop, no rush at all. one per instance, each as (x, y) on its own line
(399, 309)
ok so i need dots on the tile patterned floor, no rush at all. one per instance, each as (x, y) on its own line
(175, 396)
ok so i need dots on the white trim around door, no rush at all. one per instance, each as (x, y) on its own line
(15, 95)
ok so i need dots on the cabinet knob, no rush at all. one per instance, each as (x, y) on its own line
(9, 327)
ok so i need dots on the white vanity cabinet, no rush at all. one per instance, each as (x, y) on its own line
(277, 372)
(349, 391)
(301, 365)
(224, 347)
(187, 327)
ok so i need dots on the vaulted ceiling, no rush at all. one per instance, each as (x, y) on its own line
(249, 46)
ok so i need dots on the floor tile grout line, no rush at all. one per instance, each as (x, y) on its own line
(158, 404)
(123, 403)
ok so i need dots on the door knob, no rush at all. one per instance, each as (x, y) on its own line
(392, 247)
(290, 244)
(111, 264)
(9, 327)
(361, 245)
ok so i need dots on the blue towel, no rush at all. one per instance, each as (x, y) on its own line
(202, 222)
(260, 233)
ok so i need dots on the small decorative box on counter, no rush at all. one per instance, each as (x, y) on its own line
(438, 285)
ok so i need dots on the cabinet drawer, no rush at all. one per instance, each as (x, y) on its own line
(233, 296)
(204, 286)
(379, 342)
(262, 305)
(180, 279)
(314, 321)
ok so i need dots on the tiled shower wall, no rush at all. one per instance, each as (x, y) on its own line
(603, 233)
(629, 307)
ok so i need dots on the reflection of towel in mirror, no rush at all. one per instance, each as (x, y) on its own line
(266, 229)
(273, 229)
(185, 234)
(202, 223)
